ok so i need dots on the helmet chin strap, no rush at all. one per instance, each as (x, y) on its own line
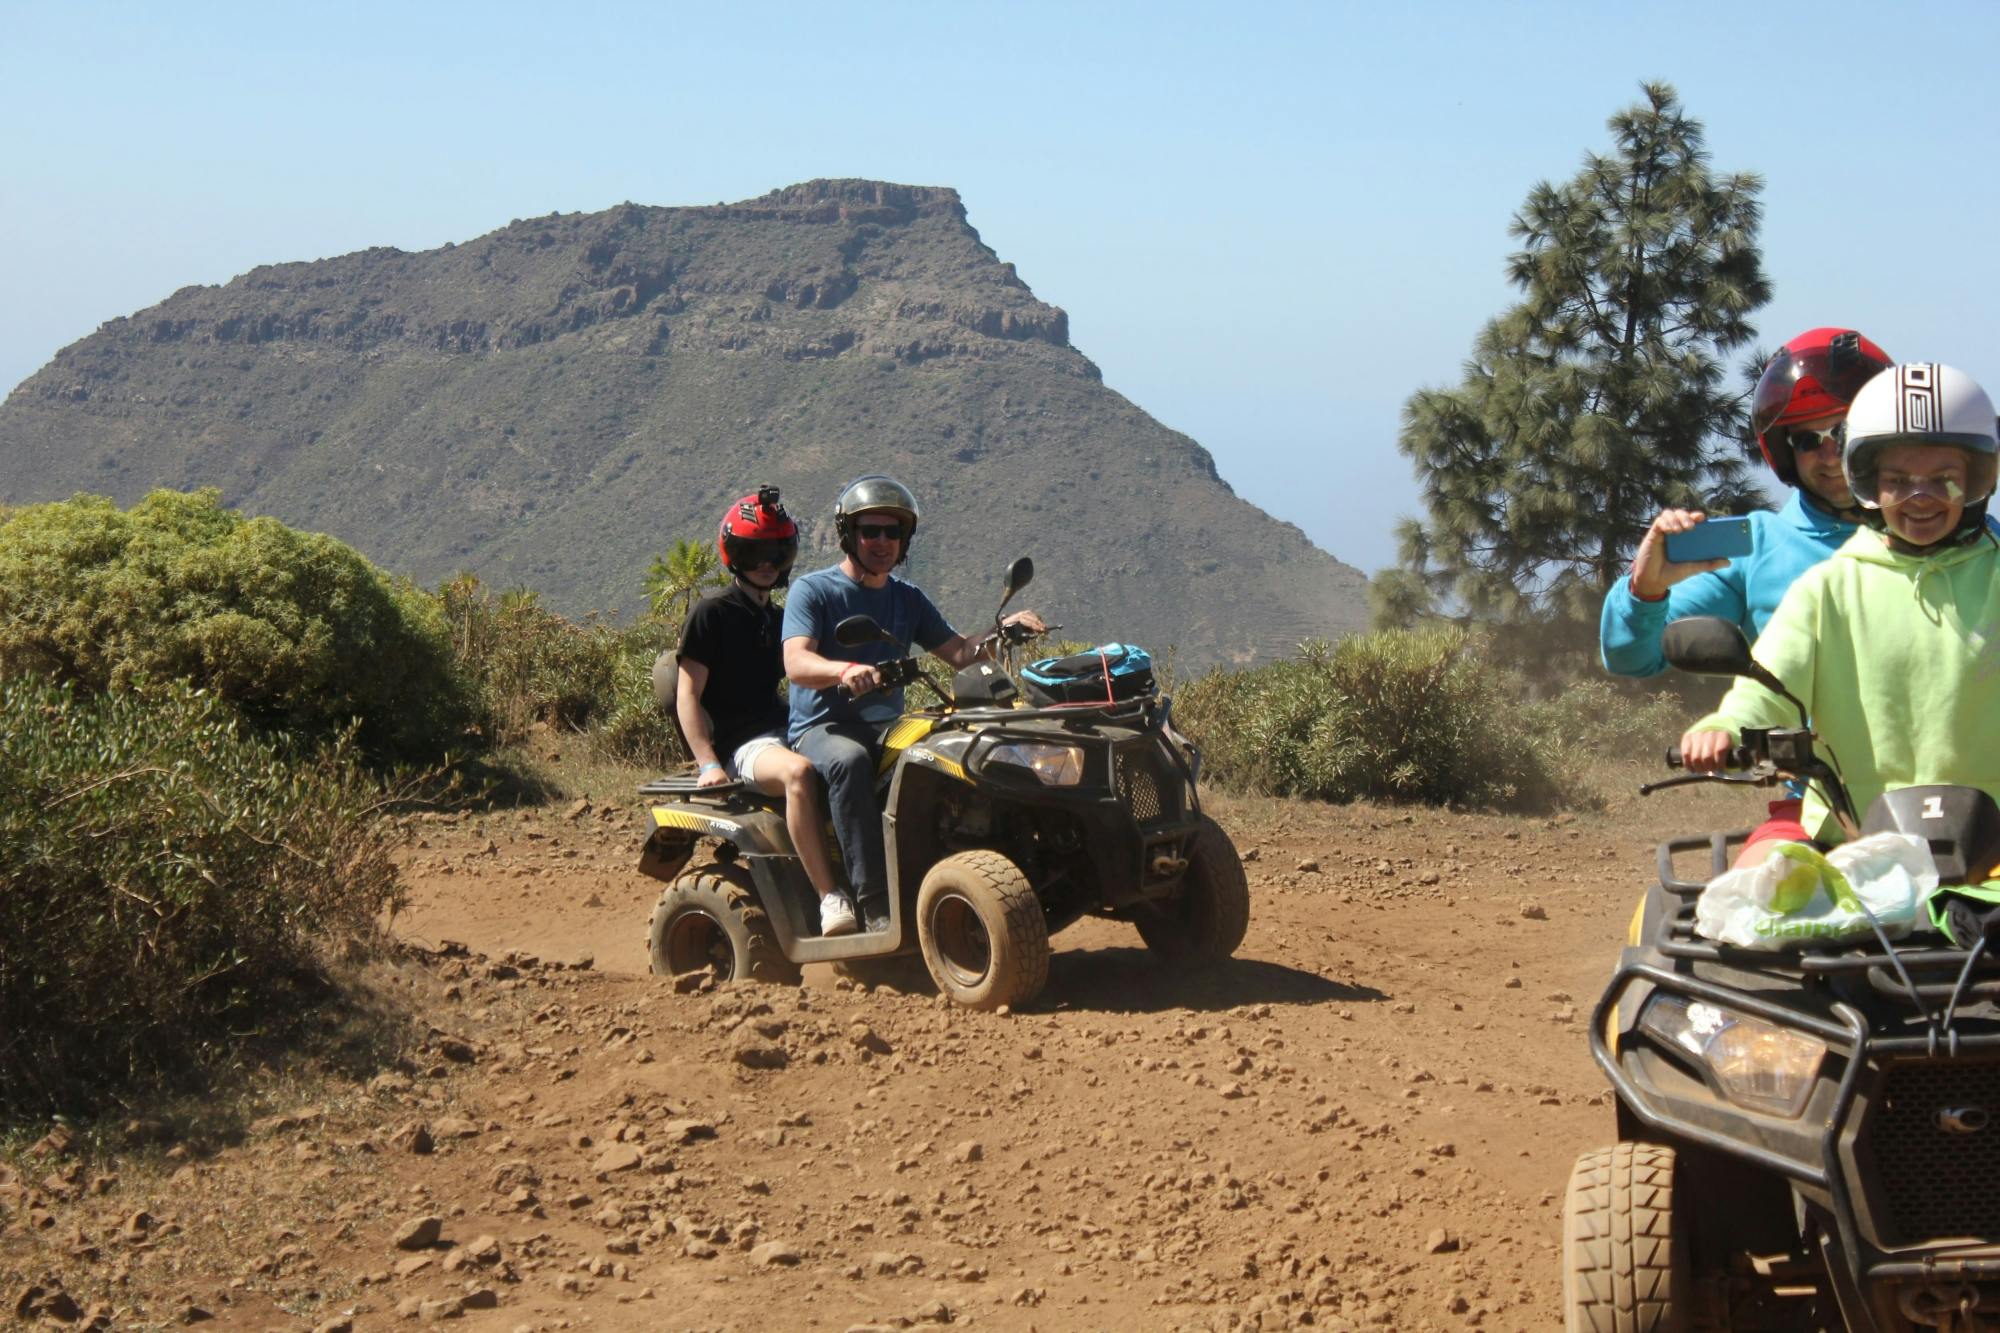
(1971, 523)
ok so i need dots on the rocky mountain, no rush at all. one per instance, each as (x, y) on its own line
(555, 402)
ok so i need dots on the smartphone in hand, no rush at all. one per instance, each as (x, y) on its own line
(1713, 539)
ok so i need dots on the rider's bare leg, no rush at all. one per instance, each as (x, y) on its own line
(781, 772)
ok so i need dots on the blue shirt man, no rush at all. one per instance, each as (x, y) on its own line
(1745, 590)
(836, 715)
(824, 598)
(1796, 413)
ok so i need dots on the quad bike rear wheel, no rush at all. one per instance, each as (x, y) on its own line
(709, 919)
(1206, 921)
(984, 937)
(1625, 1243)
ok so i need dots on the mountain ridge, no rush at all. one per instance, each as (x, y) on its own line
(555, 401)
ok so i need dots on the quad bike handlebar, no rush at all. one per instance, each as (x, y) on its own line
(894, 673)
(1769, 756)
(1739, 757)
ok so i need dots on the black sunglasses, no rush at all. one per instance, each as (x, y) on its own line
(876, 532)
(1806, 441)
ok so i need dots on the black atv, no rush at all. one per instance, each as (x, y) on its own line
(1807, 1139)
(1002, 824)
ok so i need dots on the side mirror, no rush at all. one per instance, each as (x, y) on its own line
(1712, 646)
(1707, 646)
(858, 630)
(1019, 575)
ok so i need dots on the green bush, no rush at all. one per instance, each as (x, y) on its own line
(168, 880)
(636, 730)
(525, 664)
(296, 630)
(1612, 719)
(1407, 715)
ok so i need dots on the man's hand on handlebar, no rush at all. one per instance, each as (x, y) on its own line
(1023, 625)
(860, 678)
(1705, 751)
(1017, 628)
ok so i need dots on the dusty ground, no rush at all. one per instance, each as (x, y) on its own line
(1366, 1120)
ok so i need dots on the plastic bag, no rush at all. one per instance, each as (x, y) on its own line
(1800, 897)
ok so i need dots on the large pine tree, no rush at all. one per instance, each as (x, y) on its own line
(1601, 396)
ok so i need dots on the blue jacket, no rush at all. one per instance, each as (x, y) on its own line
(1783, 546)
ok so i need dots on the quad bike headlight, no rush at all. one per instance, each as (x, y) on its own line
(1753, 1063)
(1055, 765)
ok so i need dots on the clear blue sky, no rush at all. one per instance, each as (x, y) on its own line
(1269, 223)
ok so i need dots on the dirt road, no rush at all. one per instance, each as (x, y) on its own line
(1365, 1121)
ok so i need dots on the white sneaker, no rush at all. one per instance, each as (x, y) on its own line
(836, 915)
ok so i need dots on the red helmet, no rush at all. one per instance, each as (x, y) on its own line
(1814, 375)
(756, 530)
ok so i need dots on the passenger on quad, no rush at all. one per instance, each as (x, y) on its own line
(1795, 412)
(839, 709)
(1798, 406)
(1890, 643)
(728, 702)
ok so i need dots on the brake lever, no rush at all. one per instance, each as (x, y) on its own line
(1750, 780)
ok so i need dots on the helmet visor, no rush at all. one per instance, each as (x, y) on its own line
(1837, 370)
(752, 553)
(1875, 486)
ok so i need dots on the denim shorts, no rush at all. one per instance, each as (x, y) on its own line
(743, 763)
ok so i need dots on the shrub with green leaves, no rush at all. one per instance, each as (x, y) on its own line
(296, 630)
(168, 882)
(1407, 715)
(526, 664)
(1613, 719)
(636, 730)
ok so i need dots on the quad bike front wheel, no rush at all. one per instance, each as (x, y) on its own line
(984, 937)
(1205, 922)
(709, 919)
(1625, 1243)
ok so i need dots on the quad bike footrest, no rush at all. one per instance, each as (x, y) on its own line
(688, 786)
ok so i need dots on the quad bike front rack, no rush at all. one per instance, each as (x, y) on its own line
(1916, 978)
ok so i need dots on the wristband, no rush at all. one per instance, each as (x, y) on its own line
(1632, 586)
(710, 764)
(851, 666)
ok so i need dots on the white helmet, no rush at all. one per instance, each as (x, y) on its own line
(1922, 402)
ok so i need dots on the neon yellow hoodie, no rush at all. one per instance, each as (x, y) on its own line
(1897, 660)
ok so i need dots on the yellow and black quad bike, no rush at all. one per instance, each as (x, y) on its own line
(1002, 824)
(1807, 1139)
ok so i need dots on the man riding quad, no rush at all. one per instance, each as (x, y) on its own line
(1796, 411)
(838, 706)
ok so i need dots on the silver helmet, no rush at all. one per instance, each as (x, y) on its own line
(875, 495)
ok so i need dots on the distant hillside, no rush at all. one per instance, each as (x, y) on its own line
(555, 402)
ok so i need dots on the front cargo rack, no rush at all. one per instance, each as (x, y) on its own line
(1928, 974)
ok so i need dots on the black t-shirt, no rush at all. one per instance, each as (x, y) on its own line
(737, 640)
